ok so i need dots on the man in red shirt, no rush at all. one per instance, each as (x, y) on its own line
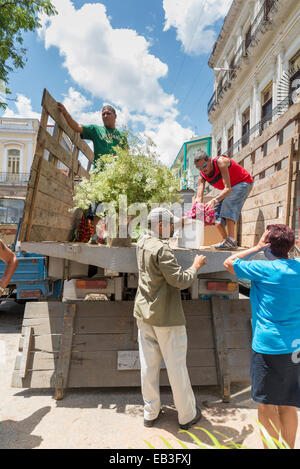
(235, 184)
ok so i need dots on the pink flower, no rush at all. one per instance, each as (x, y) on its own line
(200, 212)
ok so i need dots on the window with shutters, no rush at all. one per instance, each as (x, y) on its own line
(230, 142)
(13, 165)
(245, 127)
(267, 105)
(294, 68)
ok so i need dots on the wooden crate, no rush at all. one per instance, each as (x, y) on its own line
(94, 344)
(50, 191)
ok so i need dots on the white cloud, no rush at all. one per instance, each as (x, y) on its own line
(169, 137)
(24, 109)
(117, 67)
(194, 20)
(112, 64)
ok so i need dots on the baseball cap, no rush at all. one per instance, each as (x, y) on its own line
(162, 214)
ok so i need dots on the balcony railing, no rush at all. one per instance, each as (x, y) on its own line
(16, 179)
(260, 126)
(260, 24)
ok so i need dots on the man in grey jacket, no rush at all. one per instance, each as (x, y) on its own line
(161, 321)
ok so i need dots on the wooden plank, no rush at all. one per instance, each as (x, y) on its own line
(30, 204)
(56, 175)
(279, 154)
(51, 144)
(63, 366)
(220, 307)
(42, 233)
(51, 107)
(238, 339)
(259, 214)
(51, 188)
(269, 197)
(50, 218)
(108, 309)
(50, 204)
(269, 182)
(100, 325)
(286, 119)
(239, 359)
(259, 227)
(108, 378)
(291, 167)
(26, 352)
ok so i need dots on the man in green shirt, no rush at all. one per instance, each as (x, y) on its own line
(105, 139)
(161, 321)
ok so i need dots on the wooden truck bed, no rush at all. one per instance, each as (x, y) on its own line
(121, 259)
(94, 343)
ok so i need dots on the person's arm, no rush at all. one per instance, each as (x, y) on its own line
(262, 244)
(172, 271)
(223, 164)
(73, 124)
(7, 256)
(200, 191)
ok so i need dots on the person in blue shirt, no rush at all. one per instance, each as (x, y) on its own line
(275, 305)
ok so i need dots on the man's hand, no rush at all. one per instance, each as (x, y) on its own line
(199, 262)
(62, 109)
(263, 241)
(211, 204)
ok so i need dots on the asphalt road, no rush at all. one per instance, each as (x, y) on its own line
(106, 418)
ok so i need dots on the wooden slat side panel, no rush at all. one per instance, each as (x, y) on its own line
(291, 115)
(200, 376)
(107, 359)
(278, 154)
(51, 106)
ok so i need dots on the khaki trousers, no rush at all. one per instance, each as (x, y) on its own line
(169, 344)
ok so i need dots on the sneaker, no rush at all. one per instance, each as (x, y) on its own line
(188, 425)
(150, 423)
(225, 245)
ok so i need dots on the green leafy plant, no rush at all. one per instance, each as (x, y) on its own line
(17, 17)
(270, 442)
(135, 172)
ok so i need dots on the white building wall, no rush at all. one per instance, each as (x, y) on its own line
(268, 61)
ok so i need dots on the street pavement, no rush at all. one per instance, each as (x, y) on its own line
(107, 418)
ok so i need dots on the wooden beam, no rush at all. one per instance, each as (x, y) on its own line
(62, 372)
(26, 351)
(289, 184)
(282, 122)
(51, 107)
(220, 307)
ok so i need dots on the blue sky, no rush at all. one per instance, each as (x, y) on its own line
(146, 58)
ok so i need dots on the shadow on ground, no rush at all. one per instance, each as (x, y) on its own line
(18, 434)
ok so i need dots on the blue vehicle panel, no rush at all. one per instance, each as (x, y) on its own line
(31, 279)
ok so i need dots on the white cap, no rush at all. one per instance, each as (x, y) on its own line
(162, 214)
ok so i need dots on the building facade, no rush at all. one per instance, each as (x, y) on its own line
(255, 108)
(183, 164)
(17, 146)
(257, 71)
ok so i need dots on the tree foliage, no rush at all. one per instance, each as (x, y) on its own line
(17, 17)
(135, 172)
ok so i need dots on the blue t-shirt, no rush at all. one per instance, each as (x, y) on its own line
(275, 303)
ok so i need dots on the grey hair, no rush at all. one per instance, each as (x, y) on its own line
(200, 155)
